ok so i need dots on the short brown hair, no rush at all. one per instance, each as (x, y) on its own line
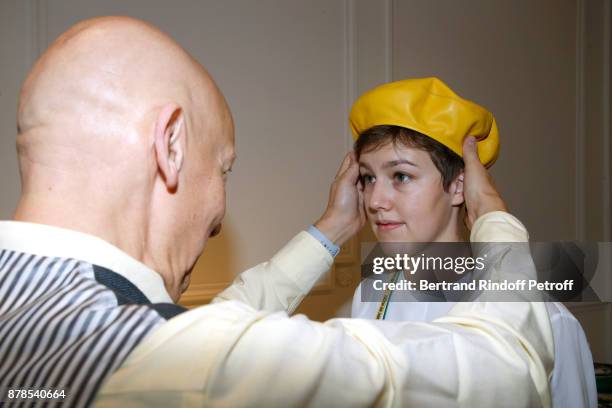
(449, 163)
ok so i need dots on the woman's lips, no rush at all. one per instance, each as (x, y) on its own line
(388, 226)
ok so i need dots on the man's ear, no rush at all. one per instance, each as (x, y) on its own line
(456, 190)
(169, 143)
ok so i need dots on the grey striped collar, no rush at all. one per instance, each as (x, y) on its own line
(46, 240)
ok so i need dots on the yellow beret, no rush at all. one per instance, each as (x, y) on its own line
(430, 107)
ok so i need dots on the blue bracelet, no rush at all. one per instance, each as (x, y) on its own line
(332, 248)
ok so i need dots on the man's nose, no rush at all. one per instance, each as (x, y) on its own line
(380, 197)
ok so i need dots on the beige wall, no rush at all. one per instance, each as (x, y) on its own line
(290, 70)
(517, 58)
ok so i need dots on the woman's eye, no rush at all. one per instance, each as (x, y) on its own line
(402, 178)
(367, 179)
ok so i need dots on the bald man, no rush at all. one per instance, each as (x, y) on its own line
(124, 146)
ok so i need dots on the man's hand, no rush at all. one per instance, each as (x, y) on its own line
(479, 192)
(345, 213)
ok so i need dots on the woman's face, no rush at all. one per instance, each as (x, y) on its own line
(404, 197)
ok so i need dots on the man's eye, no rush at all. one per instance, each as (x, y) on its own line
(367, 179)
(402, 178)
(226, 173)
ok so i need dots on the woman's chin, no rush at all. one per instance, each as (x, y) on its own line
(397, 235)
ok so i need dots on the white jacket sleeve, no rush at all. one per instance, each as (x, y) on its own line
(281, 283)
(228, 354)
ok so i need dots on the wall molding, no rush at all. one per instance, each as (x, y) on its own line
(36, 30)
(580, 122)
(593, 19)
(350, 66)
(607, 16)
(593, 42)
(388, 27)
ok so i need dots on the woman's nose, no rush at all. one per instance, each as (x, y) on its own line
(379, 197)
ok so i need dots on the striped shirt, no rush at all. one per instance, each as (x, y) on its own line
(72, 307)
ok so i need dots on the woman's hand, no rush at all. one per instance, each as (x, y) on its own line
(345, 214)
(479, 193)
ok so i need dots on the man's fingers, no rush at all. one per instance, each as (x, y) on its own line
(479, 192)
(345, 164)
(351, 172)
(470, 153)
(361, 204)
(476, 175)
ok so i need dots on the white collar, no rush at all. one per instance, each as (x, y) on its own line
(58, 242)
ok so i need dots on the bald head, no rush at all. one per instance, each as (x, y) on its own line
(118, 117)
(111, 68)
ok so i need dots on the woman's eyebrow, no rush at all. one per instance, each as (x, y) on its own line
(364, 166)
(394, 163)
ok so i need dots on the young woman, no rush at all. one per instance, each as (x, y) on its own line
(409, 135)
